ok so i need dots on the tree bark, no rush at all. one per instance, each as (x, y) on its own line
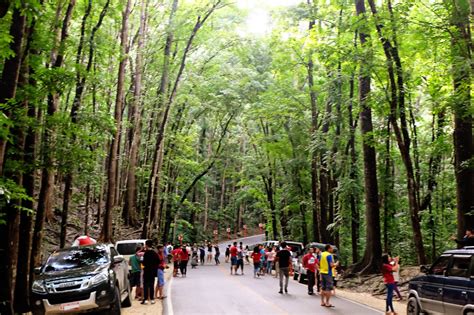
(129, 213)
(111, 202)
(462, 107)
(373, 251)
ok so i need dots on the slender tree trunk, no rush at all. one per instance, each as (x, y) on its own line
(111, 202)
(372, 256)
(463, 140)
(317, 228)
(129, 213)
(9, 232)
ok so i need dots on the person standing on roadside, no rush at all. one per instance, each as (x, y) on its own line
(150, 266)
(217, 254)
(325, 268)
(183, 261)
(227, 254)
(202, 254)
(256, 261)
(175, 253)
(389, 281)
(246, 254)
(283, 257)
(135, 272)
(270, 259)
(161, 272)
(317, 253)
(240, 258)
(396, 276)
(310, 263)
(233, 258)
(209, 252)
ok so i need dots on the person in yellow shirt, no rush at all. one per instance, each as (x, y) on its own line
(326, 270)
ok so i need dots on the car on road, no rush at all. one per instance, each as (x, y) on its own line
(447, 286)
(82, 279)
(299, 271)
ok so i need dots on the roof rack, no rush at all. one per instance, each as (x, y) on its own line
(468, 247)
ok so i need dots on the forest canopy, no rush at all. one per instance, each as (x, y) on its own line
(342, 122)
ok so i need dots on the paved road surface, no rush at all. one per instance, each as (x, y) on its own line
(211, 289)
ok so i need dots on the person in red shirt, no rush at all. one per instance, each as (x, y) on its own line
(233, 258)
(389, 280)
(176, 259)
(311, 264)
(183, 261)
(256, 256)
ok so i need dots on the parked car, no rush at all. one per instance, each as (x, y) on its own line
(270, 243)
(81, 279)
(299, 272)
(296, 248)
(127, 248)
(447, 287)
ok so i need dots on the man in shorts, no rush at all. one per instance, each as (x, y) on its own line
(325, 269)
(233, 258)
(136, 271)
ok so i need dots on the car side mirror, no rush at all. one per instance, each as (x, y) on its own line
(118, 259)
(424, 269)
(37, 270)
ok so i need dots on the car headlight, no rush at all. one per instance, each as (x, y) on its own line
(38, 286)
(99, 278)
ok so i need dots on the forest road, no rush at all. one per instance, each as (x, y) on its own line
(210, 289)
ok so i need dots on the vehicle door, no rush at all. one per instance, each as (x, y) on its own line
(456, 288)
(119, 269)
(431, 288)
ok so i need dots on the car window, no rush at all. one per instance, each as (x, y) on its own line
(460, 267)
(113, 252)
(128, 248)
(440, 266)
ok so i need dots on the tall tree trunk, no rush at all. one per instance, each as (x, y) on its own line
(373, 251)
(129, 213)
(111, 202)
(9, 232)
(317, 228)
(462, 107)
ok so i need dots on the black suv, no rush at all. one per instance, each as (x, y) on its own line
(447, 286)
(82, 279)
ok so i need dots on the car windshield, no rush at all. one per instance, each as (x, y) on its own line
(76, 257)
(128, 248)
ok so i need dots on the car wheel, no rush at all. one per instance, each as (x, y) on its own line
(115, 306)
(412, 307)
(128, 301)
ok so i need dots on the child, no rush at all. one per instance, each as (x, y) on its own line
(194, 261)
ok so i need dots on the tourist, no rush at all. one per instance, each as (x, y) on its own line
(217, 254)
(396, 276)
(271, 253)
(183, 261)
(233, 258)
(176, 258)
(240, 258)
(202, 254)
(135, 272)
(283, 257)
(150, 263)
(256, 261)
(246, 254)
(389, 281)
(325, 269)
(209, 252)
(310, 264)
(227, 253)
(161, 272)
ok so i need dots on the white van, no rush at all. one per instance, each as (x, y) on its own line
(127, 248)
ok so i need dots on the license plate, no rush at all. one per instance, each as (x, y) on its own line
(69, 306)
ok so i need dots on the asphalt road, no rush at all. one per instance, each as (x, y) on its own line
(210, 289)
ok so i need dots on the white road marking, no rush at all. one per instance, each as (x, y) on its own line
(169, 304)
